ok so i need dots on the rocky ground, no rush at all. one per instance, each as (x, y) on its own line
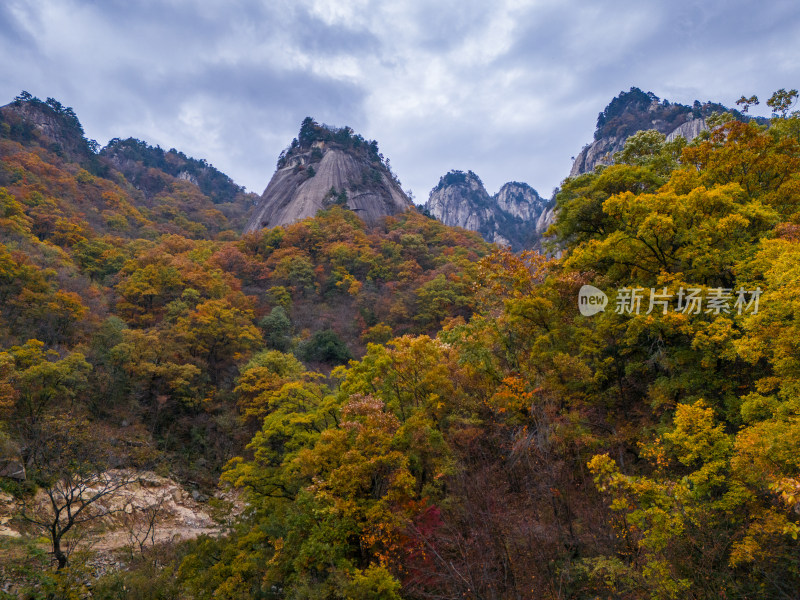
(151, 510)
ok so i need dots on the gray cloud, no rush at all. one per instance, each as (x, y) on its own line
(510, 89)
(11, 33)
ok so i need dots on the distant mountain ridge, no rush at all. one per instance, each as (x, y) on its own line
(135, 159)
(156, 191)
(325, 166)
(515, 216)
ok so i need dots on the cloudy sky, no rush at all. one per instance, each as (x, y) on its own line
(508, 88)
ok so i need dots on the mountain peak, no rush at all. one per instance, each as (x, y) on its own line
(327, 165)
(636, 110)
(459, 178)
(515, 216)
(49, 123)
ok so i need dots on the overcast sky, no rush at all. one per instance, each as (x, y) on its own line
(510, 89)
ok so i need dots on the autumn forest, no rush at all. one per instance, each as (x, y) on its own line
(400, 410)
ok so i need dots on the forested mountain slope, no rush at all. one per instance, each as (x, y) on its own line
(487, 440)
(131, 305)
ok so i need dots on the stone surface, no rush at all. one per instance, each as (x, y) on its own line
(546, 218)
(461, 202)
(51, 128)
(599, 152)
(520, 200)
(689, 130)
(186, 176)
(12, 468)
(177, 513)
(516, 216)
(301, 188)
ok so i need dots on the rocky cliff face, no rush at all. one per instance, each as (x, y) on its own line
(52, 125)
(520, 201)
(323, 167)
(688, 130)
(601, 152)
(460, 200)
(636, 111)
(516, 216)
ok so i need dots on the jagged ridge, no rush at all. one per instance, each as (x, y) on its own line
(137, 187)
(515, 216)
(134, 158)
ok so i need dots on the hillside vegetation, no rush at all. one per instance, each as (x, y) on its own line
(410, 415)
